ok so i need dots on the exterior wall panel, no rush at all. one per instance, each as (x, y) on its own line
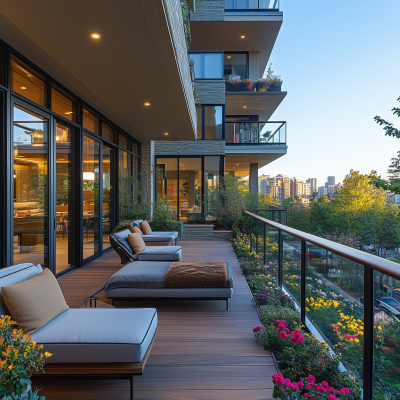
(210, 10)
(210, 92)
(201, 147)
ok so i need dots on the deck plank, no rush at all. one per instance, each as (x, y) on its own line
(201, 351)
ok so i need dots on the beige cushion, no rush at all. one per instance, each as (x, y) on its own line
(144, 225)
(136, 242)
(35, 302)
(136, 229)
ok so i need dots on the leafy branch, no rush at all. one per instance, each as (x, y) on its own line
(389, 127)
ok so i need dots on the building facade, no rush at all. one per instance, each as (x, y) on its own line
(313, 182)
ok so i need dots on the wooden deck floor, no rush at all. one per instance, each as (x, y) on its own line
(201, 351)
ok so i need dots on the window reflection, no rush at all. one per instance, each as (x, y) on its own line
(235, 65)
(207, 65)
(30, 187)
(108, 217)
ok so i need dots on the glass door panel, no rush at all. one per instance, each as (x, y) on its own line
(189, 188)
(65, 210)
(108, 217)
(91, 201)
(30, 132)
(167, 181)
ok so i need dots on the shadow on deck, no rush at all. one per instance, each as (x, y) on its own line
(201, 351)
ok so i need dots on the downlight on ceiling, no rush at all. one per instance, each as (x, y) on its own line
(242, 37)
(146, 104)
(95, 36)
(166, 133)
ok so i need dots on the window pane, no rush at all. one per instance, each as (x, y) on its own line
(211, 184)
(108, 218)
(213, 122)
(123, 142)
(26, 84)
(199, 113)
(135, 148)
(125, 184)
(3, 69)
(30, 187)
(107, 132)
(190, 188)
(90, 122)
(198, 65)
(62, 105)
(235, 64)
(213, 66)
(91, 201)
(167, 181)
(65, 212)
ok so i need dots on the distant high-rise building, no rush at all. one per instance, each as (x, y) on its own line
(322, 191)
(313, 181)
(331, 181)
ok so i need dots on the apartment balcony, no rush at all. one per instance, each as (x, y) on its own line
(253, 142)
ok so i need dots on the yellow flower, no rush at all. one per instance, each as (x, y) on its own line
(307, 309)
(379, 327)
(47, 354)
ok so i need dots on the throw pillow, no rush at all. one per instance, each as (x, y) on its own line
(136, 229)
(136, 242)
(35, 302)
(144, 225)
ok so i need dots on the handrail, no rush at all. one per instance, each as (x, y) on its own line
(377, 263)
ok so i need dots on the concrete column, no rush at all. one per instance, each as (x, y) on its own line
(147, 174)
(253, 178)
(254, 65)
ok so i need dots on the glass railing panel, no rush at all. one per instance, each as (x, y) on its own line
(334, 305)
(386, 337)
(262, 5)
(291, 265)
(271, 133)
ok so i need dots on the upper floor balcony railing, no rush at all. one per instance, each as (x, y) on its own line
(252, 5)
(267, 133)
(346, 297)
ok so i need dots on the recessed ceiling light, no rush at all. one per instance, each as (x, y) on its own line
(61, 159)
(242, 37)
(23, 87)
(228, 56)
(166, 133)
(244, 106)
(147, 104)
(69, 112)
(95, 36)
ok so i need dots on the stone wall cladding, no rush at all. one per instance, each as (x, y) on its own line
(209, 10)
(147, 173)
(201, 147)
(210, 92)
(204, 232)
(173, 12)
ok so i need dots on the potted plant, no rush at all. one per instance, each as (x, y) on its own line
(275, 81)
(234, 84)
(263, 85)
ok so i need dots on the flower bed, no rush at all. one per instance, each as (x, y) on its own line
(333, 308)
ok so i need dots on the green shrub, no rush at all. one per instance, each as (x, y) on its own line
(270, 314)
(126, 224)
(169, 226)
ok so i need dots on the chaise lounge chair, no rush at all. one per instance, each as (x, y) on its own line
(157, 238)
(94, 343)
(147, 280)
(119, 242)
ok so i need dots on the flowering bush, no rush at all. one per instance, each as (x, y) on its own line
(308, 390)
(19, 358)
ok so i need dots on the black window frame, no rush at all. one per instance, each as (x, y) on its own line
(203, 118)
(222, 65)
(239, 52)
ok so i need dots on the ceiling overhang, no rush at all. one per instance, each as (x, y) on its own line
(139, 58)
(262, 104)
(240, 157)
(259, 31)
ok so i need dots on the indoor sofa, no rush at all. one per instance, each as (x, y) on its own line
(119, 242)
(100, 342)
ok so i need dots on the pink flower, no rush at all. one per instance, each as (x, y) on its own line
(287, 330)
(332, 397)
(296, 332)
(257, 329)
(331, 390)
(320, 389)
(272, 324)
(301, 339)
(325, 385)
(300, 384)
(310, 379)
(345, 391)
(313, 398)
(306, 395)
(309, 386)
(293, 339)
(282, 335)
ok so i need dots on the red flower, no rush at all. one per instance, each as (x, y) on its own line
(306, 395)
(345, 391)
(293, 339)
(257, 329)
(320, 389)
(325, 385)
(310, 379)
(282, 335)
(332, 397)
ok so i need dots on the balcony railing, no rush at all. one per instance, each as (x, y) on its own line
(346, 297)
(267, 133)
(252, 5)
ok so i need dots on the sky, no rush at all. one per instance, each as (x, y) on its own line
(340, 64)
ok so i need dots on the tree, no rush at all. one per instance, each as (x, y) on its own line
(389, 128)
(321, 216)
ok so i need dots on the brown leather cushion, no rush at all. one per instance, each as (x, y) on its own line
(35, 302)
(136, 242)
(136, 229)
(144, 225)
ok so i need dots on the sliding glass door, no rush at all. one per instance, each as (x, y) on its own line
(31, 187)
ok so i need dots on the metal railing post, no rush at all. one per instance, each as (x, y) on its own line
(265, 239)
(257, 237)
(251, 234)
(303, 257)
(369, 296)
(280, 257)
